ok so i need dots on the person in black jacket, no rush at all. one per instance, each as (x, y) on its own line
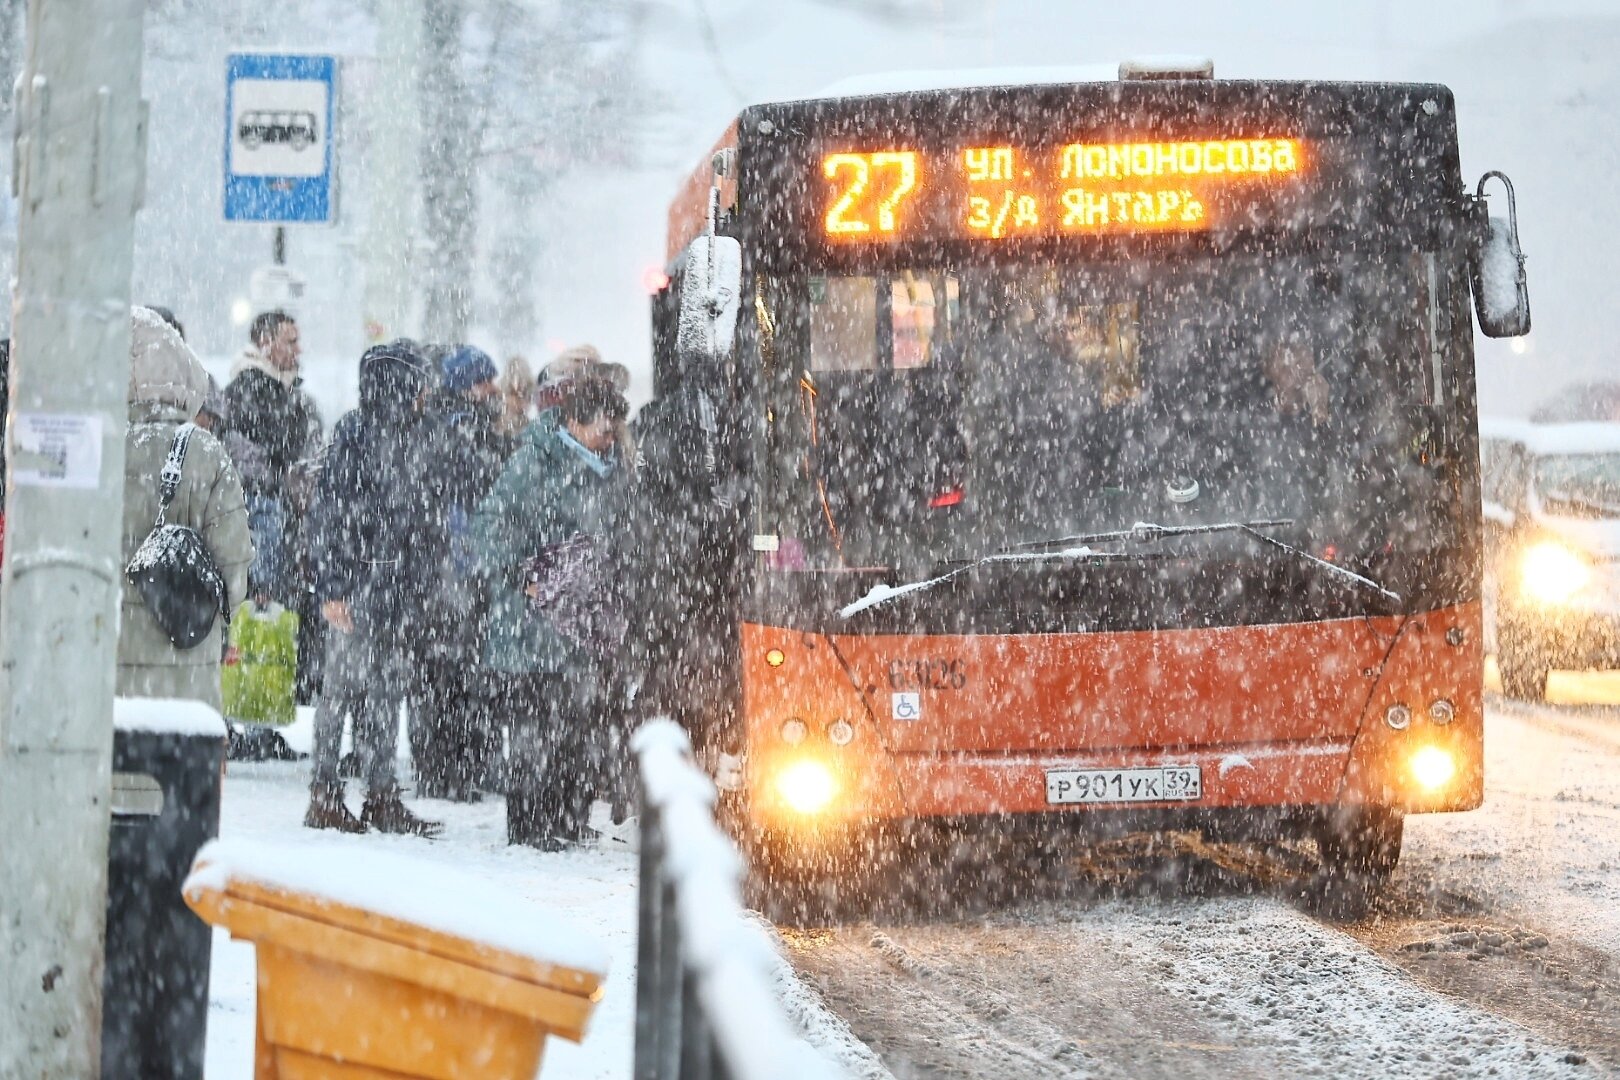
(270, 426)
(688, 550)
(376, 541)
(449, 700)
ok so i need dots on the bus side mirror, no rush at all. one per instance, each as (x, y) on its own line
(711, 289)
(1501, 294)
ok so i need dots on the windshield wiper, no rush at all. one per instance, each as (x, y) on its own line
(884, 593)
(1077, 548)
(1348, 576)
(1145, 532)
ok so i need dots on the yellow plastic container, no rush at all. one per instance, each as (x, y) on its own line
(346, 994)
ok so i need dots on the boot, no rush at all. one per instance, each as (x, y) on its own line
(547, 843)
(387, 813)
(327, 810)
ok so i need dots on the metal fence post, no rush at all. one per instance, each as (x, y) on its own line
(649, 914)
(697, 1041)
(671, 1004)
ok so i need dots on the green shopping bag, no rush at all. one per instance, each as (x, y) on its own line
(261, 662)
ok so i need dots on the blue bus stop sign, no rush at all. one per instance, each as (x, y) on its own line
(280, 158)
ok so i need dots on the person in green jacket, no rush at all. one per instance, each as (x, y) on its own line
(544, 539)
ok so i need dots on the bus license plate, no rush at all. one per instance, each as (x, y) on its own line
(1161, 783)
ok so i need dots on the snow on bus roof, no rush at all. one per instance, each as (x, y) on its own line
(925, 79)
(410, 890)
(1589, 437)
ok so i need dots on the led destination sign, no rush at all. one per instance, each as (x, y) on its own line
(997, 192)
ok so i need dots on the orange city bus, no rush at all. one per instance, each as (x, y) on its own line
(1112, 457)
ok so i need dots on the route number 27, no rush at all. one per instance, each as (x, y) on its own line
(868, 189)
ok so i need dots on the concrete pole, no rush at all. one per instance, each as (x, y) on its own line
(11, 12)
(396, 136)
(80, 156)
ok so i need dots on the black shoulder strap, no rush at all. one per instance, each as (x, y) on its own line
(173, 465)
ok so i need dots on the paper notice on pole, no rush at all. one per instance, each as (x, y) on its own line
(56, 450)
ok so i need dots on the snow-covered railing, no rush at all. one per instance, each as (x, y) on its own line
(706, 1001)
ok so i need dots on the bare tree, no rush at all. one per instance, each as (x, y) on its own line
(449, 193)
(556, 92)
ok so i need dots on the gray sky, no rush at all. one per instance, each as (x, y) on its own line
(1537, 86)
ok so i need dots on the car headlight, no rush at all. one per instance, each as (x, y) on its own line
(1550, 572)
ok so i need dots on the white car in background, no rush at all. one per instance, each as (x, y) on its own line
(1551, 501)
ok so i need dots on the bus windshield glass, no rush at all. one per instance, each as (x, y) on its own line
(930, 414)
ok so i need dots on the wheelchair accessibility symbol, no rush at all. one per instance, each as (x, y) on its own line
(907, 705)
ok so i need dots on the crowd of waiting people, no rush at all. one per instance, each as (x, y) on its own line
(470, 544)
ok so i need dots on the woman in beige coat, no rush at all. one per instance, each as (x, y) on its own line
(166, 387)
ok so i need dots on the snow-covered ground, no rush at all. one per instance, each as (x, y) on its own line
(1211, 966)
(1546, 844)
(1494, 952)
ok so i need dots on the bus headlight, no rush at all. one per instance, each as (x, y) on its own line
(1432, 768)
(1442, 712)
(794, 730)
(807, 786)
(1552, 573)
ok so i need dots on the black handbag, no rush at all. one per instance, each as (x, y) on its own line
(173, 570)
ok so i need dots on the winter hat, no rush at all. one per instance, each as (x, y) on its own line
(617, 374)
(168, 316)
(466, 367)
(391, 376)
(572, 363)
(162, 367)
(592, 397)
(517, 377)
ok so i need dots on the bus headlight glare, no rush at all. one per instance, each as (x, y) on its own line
(807, 786)
(1552, 573)
(1433, 768)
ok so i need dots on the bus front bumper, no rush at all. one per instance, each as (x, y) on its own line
(1422, 770)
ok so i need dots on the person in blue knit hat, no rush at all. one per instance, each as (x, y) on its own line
(469, 372)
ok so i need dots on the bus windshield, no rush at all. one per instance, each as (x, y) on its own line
(929, 414)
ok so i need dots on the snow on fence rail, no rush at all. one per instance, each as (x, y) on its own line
(706, 1003)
